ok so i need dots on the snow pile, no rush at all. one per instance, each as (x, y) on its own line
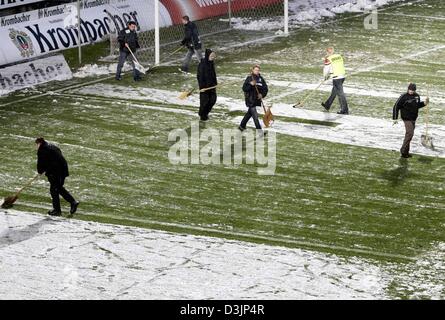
(91, 70)
(309, 12)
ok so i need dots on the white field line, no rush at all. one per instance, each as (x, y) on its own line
(414, 16)
(372, 68)
(58, 143)
(351, 130)
(284, 240)
(356, 131)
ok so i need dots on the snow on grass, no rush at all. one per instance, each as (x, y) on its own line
(308, 12)
(58, 258)
(90, 70)
(351, 130)
(75, 259)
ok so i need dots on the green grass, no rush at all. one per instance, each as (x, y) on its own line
(329, 197)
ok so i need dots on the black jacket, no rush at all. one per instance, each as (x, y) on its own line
(51, 161)
(409, 106)
(250, 92)
(130, 37)
(206, 72)
(191, 36)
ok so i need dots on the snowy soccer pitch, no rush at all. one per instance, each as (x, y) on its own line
(340, 196)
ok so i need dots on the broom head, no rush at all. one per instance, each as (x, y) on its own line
(268, 118)
(184, 95)
(427, 141)
(298, 105)
(9, 201)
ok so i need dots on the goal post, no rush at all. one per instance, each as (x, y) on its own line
(222, 25)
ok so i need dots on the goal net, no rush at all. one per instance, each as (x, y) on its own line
(222, 24)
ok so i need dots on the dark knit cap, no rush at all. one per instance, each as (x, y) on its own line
(40, 140)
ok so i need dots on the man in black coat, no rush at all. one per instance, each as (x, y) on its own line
(207, 79)
(191, 41)
(409, 104)
(255, 89)
(51, 162)
(128, 38)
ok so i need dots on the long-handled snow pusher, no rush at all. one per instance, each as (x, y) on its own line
(188, 93)
(185, 94)
(139, 67)
(9, 201)
(301, 103)
(268, 116)
(426, 139)
(165, 58)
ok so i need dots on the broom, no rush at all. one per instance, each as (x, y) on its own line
(165, 58)
(186, 94)
(268, 116)
(425, 139)
(310, 94)
(9, 201)
(139, 67)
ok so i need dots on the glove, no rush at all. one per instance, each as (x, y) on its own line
(260, 96)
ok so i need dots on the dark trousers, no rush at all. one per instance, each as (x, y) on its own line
(207, 100)
(56, 189)
(409, 134)
(251, 113)
(123, 56)
(337, 90)
(188, 58)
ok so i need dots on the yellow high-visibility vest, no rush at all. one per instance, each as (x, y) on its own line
(338, 65)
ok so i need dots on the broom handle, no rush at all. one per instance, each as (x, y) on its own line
(134, 57)
(427, 109)
(218, 85)
(168, 56)
(262, 104)
(312, 92)
(27, 185)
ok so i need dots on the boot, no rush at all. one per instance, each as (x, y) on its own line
(55, 213)
(74, 206)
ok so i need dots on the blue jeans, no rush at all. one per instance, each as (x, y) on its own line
(337, 90)
(188, 58)
(251, 113)
(123, 56)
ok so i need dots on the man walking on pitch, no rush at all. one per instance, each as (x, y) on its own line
(191, 41)
(409, 104)
(334, 68)
(207, 79)
(255, 89)
(51, 162)
(128, 40)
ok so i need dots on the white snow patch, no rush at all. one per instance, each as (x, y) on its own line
(90, 70)
(351, 130)
(57, 258)
(309, 12)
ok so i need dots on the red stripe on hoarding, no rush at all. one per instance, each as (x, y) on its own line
(202, 9)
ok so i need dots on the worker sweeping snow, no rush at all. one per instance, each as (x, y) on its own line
(409, 104)
(334, 67)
